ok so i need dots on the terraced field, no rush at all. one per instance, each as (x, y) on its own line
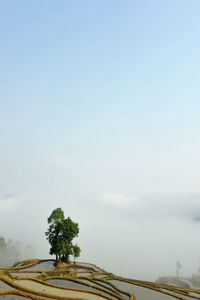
(39, 279)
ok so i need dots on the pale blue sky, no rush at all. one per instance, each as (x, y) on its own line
(98, 100)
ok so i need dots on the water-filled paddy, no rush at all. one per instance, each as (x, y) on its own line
(45, 265)
(77, 269)
(141, 293)
(101, 276)
(84, 274)
(12, 297)
(70, 284)
(42, 288)
(76, 285)
(24, 274)
(87, 265)
(5, 286)
(98, 284)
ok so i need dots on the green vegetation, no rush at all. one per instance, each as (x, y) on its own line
(60, 234)
(43, 276)
(4, 273)
(76, 251)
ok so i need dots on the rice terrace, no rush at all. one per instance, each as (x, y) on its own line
(39, 279)
(61, 278)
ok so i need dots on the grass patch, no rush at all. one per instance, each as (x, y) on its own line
(6, 274)
(43, 276)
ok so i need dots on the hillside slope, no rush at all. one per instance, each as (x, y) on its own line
(39, 279)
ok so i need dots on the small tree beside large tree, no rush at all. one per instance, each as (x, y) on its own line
(60, 234)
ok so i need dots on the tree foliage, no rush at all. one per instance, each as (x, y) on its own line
(76, 251)
(60, 234)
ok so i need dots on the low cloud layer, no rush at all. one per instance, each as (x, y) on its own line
(119, 201)
(12, 251)
(155, 206)
(135, 235)
(7, 202)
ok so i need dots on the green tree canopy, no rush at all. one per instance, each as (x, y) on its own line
(60, 234)
(76, 251)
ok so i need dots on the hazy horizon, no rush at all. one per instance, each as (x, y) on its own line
(99, 115)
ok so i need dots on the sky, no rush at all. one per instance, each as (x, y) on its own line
(99, 115)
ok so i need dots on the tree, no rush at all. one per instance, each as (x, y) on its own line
(76, 252)
(3, 244)
(60, 234)
(178, 267)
